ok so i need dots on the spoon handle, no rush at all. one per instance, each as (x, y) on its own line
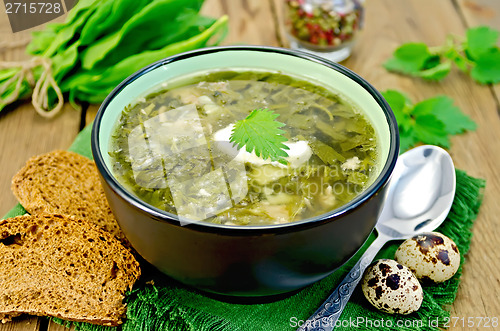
(328, 313)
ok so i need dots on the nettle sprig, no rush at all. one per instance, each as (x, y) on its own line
(477, 55)
(430, 121)
(260, 132)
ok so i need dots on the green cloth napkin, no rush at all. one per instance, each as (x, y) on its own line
(159, 303)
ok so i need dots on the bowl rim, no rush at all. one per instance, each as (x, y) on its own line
(161, 215)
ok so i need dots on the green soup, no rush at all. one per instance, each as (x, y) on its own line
(171, 149)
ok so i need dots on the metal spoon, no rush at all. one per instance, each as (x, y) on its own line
(419, 197)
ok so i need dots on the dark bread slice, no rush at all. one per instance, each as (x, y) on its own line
(63, 182)
(55, 265)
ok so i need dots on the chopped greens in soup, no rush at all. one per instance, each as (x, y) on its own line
(172, 150)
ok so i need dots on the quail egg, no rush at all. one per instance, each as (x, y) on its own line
(392, 288)
(431, 256)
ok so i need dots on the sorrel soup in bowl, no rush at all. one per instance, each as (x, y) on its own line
(245, 170)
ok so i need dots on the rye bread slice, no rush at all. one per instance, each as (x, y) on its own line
(55, 265)
(63, 182)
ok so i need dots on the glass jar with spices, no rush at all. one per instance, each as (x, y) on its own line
(326, 28)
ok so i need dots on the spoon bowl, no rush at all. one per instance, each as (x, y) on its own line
(419, 198)
(420, 194)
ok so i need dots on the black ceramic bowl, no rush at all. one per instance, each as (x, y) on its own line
(248, 260)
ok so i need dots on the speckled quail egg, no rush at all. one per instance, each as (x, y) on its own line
(392, 288)
(431, 256)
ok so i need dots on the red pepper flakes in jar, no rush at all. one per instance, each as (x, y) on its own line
(323, 25)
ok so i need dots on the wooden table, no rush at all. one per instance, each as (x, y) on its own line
(389, 23)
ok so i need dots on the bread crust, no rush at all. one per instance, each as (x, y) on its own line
(61, 266)
(66, 183)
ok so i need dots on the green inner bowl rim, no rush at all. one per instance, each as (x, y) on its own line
(161, 215)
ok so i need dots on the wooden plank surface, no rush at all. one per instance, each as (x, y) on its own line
(250, 21)
(388, 24)
(24, 324)
(23, 134)
(52, 326)
(479, 291)
(482, 12)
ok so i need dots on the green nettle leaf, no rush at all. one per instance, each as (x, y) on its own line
(407, 140)
(431, 62)
(430, 121)
(478, 56)
(429, 130)
(454, 120)
(409, 58)
(425, 107)
(398, 103)
(487, 68)
(480, 40)
(259, 132)
(396, 100)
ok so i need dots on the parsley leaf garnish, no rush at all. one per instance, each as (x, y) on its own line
(261, 133)
(430, 121)
(476, 54)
